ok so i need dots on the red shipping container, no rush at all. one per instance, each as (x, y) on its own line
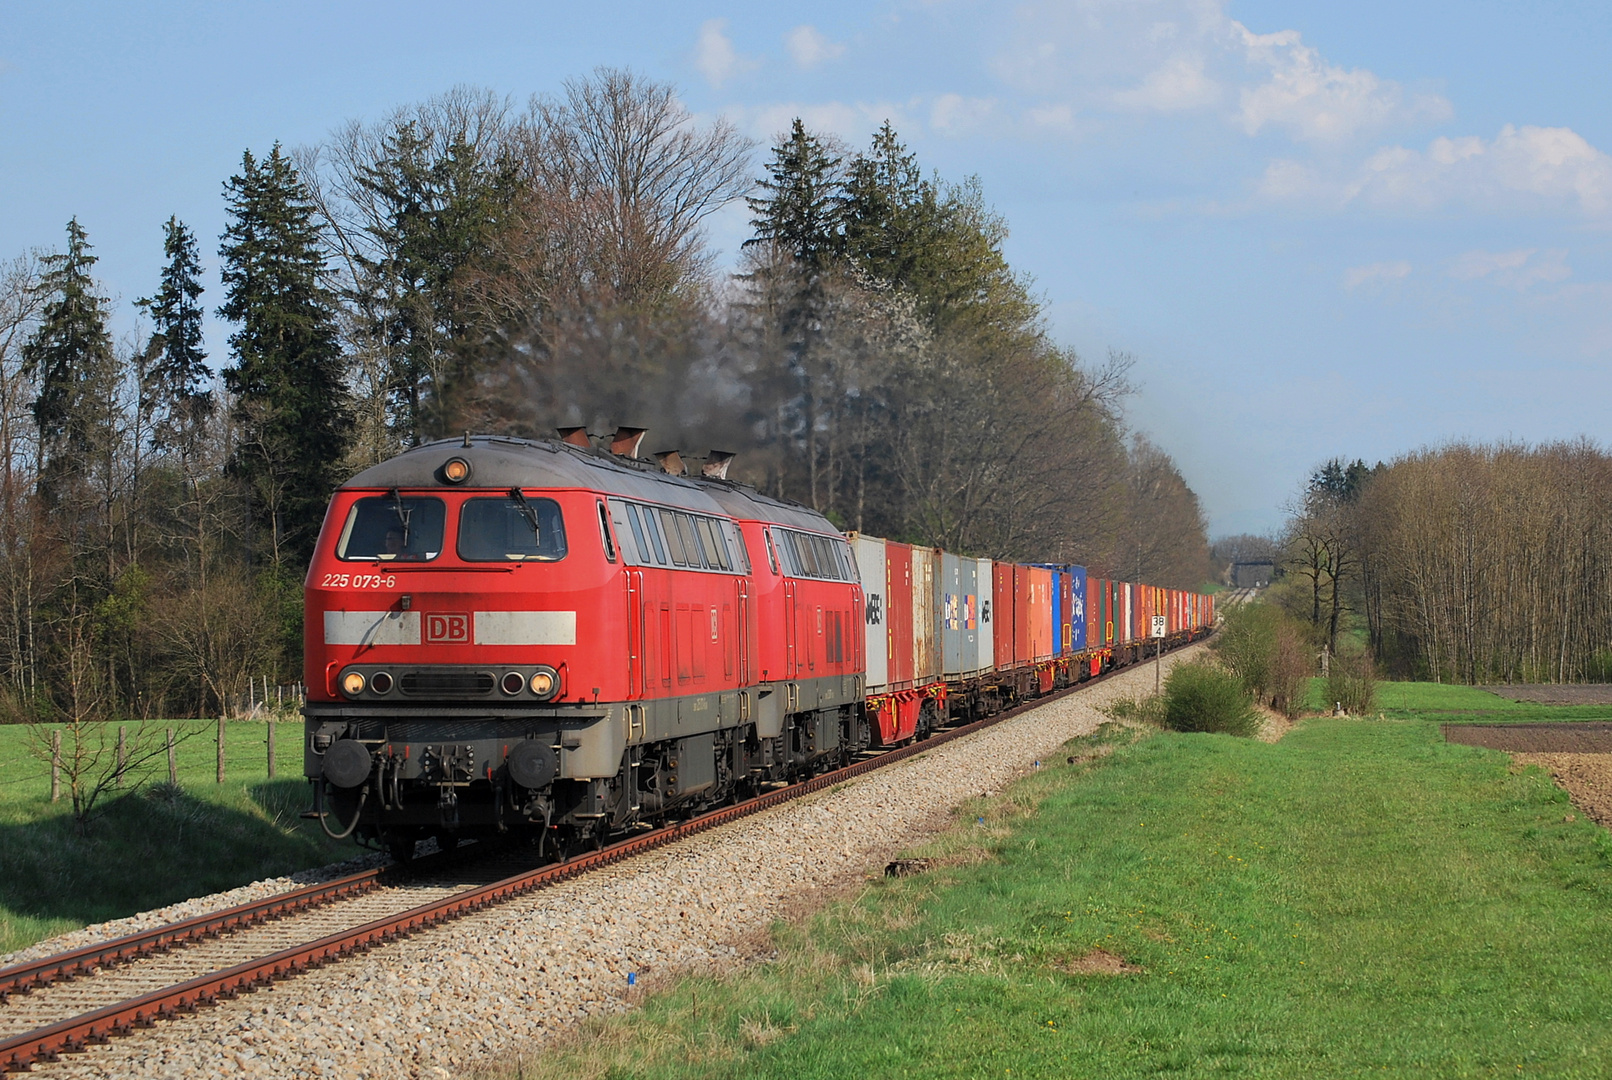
(1094, 614)
(1038, 613)
(1021, 615)
(898, 613)
(1002, 615)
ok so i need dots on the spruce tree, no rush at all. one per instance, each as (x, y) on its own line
(939, 243)
(797, 224)
(175, 382)
(887, 209)
(290, 399)
(439, 212)
(802, 209)
(70, 356)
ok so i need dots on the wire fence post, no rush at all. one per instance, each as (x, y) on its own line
(220, 749)
(123, 753)
(55, 765)
(173, 763)
(271, 749)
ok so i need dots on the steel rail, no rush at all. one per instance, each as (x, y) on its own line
(77, 1033)
(24, 977)
(77, 963)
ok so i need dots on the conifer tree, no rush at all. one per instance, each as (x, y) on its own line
(887, 207)
(175, 381)
(801, 211)
(71, 357)
(940, 243)
(439, 212)
(290, 399)
(797, 227)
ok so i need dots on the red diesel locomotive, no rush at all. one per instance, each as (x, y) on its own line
(543, 636)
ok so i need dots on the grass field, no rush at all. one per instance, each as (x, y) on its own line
(1359, 898)
(149, 849)
(1445, 702)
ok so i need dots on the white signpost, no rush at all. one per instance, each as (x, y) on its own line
(1158, 650)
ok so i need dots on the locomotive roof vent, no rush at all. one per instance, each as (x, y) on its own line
(625, 441)
(716, 465)
(670, 461)
(576, 436)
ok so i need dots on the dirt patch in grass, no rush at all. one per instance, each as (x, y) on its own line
(1273, 725)
(1587, 779)
(1555, 693)
(1570, 737)
(1099, 962)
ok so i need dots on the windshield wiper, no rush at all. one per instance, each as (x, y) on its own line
(528, 513)
(403, 513)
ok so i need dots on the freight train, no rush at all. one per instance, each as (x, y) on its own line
(570, 642)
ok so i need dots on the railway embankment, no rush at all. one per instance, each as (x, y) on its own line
(528, 971)
(1359, 897)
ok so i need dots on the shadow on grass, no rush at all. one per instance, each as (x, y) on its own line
(154, 847)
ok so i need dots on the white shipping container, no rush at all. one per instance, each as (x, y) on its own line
(987, 645)
(870, 564)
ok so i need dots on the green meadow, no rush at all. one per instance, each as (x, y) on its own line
(155, 844)
(1357, 899)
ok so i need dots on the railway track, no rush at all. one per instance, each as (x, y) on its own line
(63, 1004)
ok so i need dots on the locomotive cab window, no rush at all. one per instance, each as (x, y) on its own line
(509, 530)
(393, 527)
(810, 556)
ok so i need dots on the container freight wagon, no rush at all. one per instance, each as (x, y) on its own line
(1068, 622)
(905, 691)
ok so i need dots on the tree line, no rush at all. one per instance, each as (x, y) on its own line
(465, 264)
(1475, 563)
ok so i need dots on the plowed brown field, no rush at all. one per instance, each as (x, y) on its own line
(1581, 737)
(1556, 693)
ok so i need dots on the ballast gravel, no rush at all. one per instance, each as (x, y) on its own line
(521, 973)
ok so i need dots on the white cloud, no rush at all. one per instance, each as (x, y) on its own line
(1318, 101)
(808, 47)
(953, 114)
(1526, 168)
(1180, 83)
(1518, 269)
(1380, 273)
(1177, 55)
(714, 55)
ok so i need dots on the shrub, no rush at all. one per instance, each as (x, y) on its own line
(1352, 682)
(1204, 697)
(1246, 643)
(1266, 649)
(1292, 664)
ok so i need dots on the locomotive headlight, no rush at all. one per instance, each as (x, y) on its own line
(352, 683)
(380, 682)
(544, 682)
(456, 470)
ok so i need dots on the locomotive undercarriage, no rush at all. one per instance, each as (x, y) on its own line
(566, 779)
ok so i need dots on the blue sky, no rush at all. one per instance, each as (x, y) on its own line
(1322, 229)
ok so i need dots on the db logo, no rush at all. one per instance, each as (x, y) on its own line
(447, 628)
